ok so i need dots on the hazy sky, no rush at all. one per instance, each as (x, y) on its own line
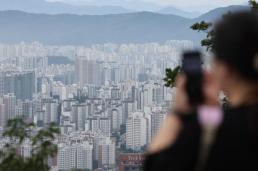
(201, 5)
(197, 2)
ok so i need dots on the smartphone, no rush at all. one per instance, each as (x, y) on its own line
(192, 68)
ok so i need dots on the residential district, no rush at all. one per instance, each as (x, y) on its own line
(108, 100)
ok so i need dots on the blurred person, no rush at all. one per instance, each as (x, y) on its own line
(231, 142)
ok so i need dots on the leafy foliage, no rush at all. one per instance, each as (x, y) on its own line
(17, 132)
(171, 75)
(205, 27)
(202, 26)
(254, 5)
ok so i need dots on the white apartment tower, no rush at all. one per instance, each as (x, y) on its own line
(3, 116)
(101, 123)
(117, 118)
(79, 116)
(51, 111)
(107, 153)
(157, 118)
(88, 71)
(74, 156)
(136, 131)
(9, 101)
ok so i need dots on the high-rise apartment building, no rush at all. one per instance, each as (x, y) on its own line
(79, 116)
(32, 62)
(50, 108)
(74, 156)
(88, 71)
(107, 153)
(102, 124)
(157, 118)
(9, 101)
(21, 84)
(116, 118)
(1, 84)
(3, 115)
(136, 131)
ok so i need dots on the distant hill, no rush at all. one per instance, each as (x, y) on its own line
(42, 6)
(218, 12)
(175, 11)
(63, 29)
(138, 27)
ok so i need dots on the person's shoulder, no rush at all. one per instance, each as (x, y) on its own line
(178, 136)
(241, 119)
(167, 134)
(173, 128)
(236, 113)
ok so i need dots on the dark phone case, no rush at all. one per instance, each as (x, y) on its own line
(194, 89)
(193, 70)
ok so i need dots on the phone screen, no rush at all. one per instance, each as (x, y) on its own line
(192, 68)
(192, 63)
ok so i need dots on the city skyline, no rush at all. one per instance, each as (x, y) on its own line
(108, 100)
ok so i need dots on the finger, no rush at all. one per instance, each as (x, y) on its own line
(181, 81)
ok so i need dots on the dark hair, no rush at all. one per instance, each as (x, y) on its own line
(236, 43)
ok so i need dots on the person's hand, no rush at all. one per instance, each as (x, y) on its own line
(167, 134)
(210, 90)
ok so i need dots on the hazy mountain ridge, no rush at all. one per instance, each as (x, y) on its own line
(96, 7)
(218, 12)
(42, 6)
(140, 27)
(175, 11)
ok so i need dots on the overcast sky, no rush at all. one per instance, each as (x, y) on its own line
(197, 2)
(201, 5)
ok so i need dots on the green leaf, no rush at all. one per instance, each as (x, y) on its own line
(171, 75)
(254, 5)
(42, 146)
(202, 26)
